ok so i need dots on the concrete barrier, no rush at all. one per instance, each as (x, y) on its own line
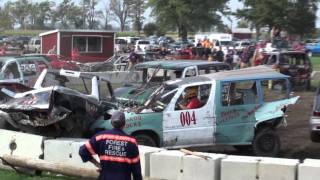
(166, 165)
(239, 168)
(21, 144)
(194, 167)
(277, 169)
(309, 170)
(145, 153)
(65, 150)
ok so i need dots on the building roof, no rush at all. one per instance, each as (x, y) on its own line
(180, 64)
(75, 30)
(251, 73)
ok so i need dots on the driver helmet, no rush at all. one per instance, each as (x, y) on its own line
(191, 92)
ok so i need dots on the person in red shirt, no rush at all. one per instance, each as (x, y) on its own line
(191, 98)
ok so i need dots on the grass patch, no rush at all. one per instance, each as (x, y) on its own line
(315, 63)
(12, 175)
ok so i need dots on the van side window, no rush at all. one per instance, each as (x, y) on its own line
(274, 90)
(239, 93)
(193, 97)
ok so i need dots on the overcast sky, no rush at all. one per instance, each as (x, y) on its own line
(234, 5)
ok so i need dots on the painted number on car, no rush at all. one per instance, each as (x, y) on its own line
(187, 119)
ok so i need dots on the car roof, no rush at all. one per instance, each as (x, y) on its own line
(179, 64)
(251, 73)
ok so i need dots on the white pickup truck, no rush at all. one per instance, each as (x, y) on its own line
(34, 45)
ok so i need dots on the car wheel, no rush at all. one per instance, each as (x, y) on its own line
(146, 140)
(74, 127)
(315, 137)
(266, 143)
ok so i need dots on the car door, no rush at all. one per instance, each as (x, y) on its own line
(190, 127)
(236, 103)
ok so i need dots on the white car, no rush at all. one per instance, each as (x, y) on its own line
(142, 45)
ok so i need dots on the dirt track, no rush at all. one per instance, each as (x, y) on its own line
(295, 138)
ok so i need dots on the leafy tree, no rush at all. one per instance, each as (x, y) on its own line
(149, 29)
(90, 14)
(68, 15)
(243, 24)
(187, 15)
(120, 10)
(137, 10)
(20, 10)
(6, 20)
(40, 13)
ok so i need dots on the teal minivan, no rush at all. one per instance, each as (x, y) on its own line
(242, 108)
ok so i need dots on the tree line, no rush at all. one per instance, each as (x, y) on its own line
(184, 16)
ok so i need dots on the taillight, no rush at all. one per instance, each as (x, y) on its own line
(316, 113)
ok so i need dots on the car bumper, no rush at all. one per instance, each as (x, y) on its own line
(315, 124)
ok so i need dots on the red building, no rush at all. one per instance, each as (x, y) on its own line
(79, 45)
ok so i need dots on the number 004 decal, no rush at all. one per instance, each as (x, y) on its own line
(187, 119)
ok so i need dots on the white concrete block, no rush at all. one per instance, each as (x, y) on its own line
(277, 169)
(239, 168)
(145, 153)
(65, 150)
(166, 165)
(195, 167)
(21, 144)
(309, 169)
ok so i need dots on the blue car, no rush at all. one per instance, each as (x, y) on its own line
(313, 48)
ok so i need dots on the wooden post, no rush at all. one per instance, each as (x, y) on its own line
(39, 164)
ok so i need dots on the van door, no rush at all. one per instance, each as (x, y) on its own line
(236, 106)
(190, 127)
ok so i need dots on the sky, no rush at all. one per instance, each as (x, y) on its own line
(233, 4)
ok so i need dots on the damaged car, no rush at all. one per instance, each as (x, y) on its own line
(156, 72)
(242, 108)
(62, 103)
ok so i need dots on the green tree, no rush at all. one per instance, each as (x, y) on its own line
(243, 24)
(40, 13)
(187, 15)
(120, 10)
(68, 15)
(20, 10)
(150, 29)
(137, 10)
(90, 14)
(6, 20)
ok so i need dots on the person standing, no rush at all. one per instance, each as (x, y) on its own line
(219, 55)
(117, 151)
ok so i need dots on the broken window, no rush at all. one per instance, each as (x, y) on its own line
(239, 93)
(11, 71)
(275, 89)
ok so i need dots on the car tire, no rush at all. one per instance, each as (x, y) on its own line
(146, 140)
(77, 130)
(266, 143)
(315, 137)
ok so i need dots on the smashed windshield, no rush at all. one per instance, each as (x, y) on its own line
(162, 96)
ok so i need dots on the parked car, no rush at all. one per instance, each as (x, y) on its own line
(22, 69)
(61, 104)
(241, 108)
(56, 61)
(142, 45)
(121, 45)
(295, 64)
(315, 118)
(313, 48)
(156, 72)
(34, 45)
